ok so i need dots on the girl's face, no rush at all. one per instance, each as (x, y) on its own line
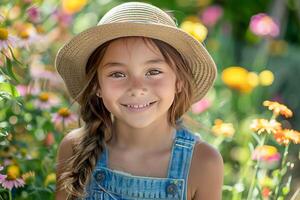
(132, 74)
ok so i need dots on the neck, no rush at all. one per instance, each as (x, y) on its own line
(156, 136)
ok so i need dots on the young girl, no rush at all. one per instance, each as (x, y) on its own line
(134, 75)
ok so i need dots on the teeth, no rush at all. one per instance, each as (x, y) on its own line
(138, 106)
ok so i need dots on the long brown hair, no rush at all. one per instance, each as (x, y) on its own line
(98, 120)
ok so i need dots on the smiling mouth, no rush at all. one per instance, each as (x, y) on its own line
(138, 106)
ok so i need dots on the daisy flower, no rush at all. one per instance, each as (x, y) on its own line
(65, 116)
(223, 129)
(286, 136)
(46, 100)
(12, 179)
(278, 108)
(7, 40)
(262, 125)
(27, 34)
(28, 39)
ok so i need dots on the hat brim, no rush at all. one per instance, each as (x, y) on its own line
(71, 59)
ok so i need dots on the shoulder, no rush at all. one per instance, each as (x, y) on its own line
(206, 172)
(65, 149)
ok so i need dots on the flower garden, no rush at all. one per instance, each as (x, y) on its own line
(251, 115)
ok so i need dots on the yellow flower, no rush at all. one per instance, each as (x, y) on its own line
(13, 172)
(278, 108)
(3, 34)
(223, 129)
(253, 79)
(262, 125)
(239, 78)
(266, 78)
(64, 112)
(196, 29)
(73, 6)
(286, 136)
(44, 96)
(51, 178)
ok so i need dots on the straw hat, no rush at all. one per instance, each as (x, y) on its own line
(134, 19)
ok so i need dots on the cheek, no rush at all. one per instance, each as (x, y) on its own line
(166, 84)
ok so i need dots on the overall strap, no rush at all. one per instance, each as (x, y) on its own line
(181, 156)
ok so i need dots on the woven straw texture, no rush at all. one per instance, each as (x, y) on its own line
(134, 19)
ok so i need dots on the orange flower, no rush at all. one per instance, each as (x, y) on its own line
(278, 108)
(223, 129)
(286, 136)
(261, 125)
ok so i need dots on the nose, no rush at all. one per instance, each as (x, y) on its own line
(137, 87)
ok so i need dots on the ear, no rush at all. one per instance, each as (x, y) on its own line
(179, 85)
(98, 92)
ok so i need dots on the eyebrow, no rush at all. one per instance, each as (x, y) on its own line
(152, 61)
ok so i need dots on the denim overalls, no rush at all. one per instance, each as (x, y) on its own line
(108, 184)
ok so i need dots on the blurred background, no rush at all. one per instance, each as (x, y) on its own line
(251, 115)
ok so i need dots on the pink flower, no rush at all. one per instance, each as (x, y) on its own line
(25, 90)
(211, 15)
(63, 18)
(33, 14)
(263, 25)
(46, 100)
(9, 184)
(38, 72)
(33, 38)
(7, 40)
(65, 116)
(201, 106)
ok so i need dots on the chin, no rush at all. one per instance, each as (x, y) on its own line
(138, 125)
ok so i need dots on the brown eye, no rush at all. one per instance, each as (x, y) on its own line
(154, 72)
(116, 75)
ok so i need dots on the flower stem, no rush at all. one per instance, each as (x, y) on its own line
(280, 176)
(249, 197)
(9, 195)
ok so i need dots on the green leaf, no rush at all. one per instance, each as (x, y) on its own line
(251, 147)
(255, 137)
(12, 53)
(9, 88)
(9, 68)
